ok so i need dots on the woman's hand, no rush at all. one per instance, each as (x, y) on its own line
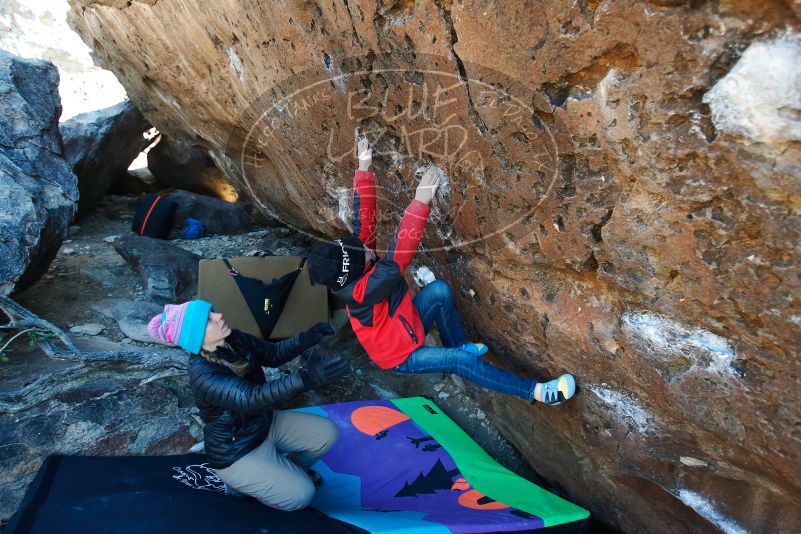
(365, 154)
(315, 334)
(322, 369)
(427, 187)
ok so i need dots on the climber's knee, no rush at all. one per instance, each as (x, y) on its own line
(440, 290)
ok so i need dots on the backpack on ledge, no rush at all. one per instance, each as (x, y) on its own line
(154, 216)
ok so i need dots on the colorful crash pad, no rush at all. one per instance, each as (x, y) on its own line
(404, 466)
(399, 466)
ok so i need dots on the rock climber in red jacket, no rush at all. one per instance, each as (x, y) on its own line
(390, 325)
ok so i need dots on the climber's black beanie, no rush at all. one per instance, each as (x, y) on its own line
(337, 263)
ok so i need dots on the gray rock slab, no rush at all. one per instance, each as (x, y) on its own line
(89, 329)
(132, 316)
(169, 273)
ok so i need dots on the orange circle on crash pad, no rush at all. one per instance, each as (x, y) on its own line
(371, 420)
(469, 499)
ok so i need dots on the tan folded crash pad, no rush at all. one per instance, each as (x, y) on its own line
(307, 305)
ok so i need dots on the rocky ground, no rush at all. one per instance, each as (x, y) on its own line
(146, 407)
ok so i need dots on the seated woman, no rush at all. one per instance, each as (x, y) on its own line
(246, 438)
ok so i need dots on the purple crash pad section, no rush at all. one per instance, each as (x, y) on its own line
(407, 481)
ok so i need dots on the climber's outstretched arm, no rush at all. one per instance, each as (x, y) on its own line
(364, 196)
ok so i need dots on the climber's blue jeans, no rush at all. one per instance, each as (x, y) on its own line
(435, 304)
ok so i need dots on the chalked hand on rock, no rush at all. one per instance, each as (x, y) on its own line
(365, 154)
(427, 186)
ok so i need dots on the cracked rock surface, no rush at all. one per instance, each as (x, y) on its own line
(619, 204)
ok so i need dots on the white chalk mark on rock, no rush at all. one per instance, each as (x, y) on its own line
(625, 407)
(760, 96)
(705, 509)
(236, 63)
(344, 211)
(664, 339)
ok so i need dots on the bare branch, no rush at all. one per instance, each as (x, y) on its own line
(20, 317)
(144, 364)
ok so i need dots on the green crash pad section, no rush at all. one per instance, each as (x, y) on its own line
(485, 474)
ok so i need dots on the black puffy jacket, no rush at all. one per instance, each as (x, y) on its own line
(237, 411)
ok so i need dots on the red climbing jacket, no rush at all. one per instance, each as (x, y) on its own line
(379, 303)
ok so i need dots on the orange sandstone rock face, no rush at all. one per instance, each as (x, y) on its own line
(622, 202)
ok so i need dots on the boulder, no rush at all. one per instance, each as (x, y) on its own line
(184, 165)
(38, 190)
(218, 216)
(169, 273)
(622, 202)
(100, 145)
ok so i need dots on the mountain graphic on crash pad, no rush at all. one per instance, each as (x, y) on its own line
(438, 478)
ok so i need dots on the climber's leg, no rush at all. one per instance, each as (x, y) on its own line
(435, 304)
(467, 365)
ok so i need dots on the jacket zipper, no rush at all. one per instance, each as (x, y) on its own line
(408, 327)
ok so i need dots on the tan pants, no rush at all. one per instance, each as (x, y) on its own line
(277, 480)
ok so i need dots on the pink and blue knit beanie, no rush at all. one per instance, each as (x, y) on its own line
(182, 324)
